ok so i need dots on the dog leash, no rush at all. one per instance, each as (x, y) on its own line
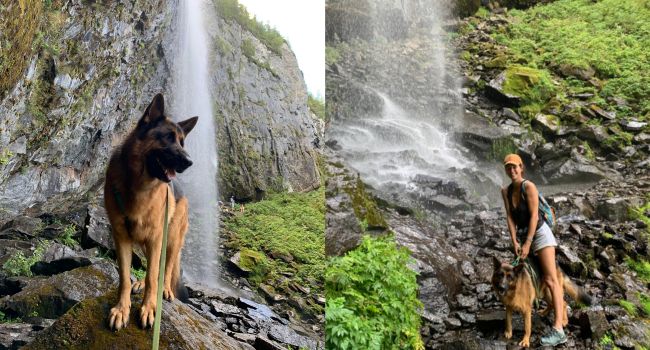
(161, 274)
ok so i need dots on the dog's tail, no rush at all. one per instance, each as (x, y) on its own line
(575, 292)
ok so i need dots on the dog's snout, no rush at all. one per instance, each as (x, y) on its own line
(184, 161)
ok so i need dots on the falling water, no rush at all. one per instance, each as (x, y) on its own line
(192, 97)
(402, 152)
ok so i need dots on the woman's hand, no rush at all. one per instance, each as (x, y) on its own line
(517, 247)
(525, 250)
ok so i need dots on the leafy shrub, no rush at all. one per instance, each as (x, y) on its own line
(372, 298)
(642, 268)
(19, 265)
(248, 48)
(233, 10)
(67, 236)
(628, 306)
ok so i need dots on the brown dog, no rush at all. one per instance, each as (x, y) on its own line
(134, 196)
(514, 287)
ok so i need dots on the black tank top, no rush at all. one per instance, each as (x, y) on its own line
(521, 214)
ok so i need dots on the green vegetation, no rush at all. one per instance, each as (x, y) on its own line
(282, 235)
(19, 265)
(607, 342)
(372, 298)
(332, 55)
(67, 236)
(502, 147)
(534, 86)
(233, 10)
(5, 155)
(248, 48)
(639, 213)
(628, 306)
(645, 303)
(139, 274)
(641, 267)
(317, 106)
(365, 208)
(599, 47)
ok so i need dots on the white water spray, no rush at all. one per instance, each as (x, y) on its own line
(191, 97)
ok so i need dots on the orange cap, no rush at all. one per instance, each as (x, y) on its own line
(512, 159)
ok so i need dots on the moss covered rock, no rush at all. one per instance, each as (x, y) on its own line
(86, 327)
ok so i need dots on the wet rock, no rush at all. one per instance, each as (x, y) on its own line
(223, 310)
(510, 114)
(60, 258)
(596, 133)
(98, 230)
(632, 125)
(593, 323)
(494, 91)
(613, 209)
(53, 296)
(85, 327)
(571, 262)
(15, 335)
(263, 343)
(569, 170)
(287, 335)
(547, 124)
(22, 227)
(489, 320)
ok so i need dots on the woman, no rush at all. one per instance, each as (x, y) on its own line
(525, 225)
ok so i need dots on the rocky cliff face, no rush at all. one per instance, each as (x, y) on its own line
(89, 76)
(267, 136)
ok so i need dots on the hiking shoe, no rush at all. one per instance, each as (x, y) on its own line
(554, 338)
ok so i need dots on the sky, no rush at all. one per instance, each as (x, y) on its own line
(302, 24)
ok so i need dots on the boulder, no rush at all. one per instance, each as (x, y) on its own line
(614, 209)
(60, 258)
(86, 327)
(98, 229)
(547, 124)
(54, 296)
(593, 322)
(15, 335)
(566, 170)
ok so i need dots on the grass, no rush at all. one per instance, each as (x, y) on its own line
(372, 298)
(20, 265)
(233, 10)
(67, 236)
(139, 274)
(608, 37)
(317, 106)
(288, 225)
(641, 267)
(645, 303)
(629, 307)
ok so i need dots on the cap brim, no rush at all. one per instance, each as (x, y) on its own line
(513, 163)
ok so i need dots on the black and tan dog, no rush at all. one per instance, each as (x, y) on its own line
(514, 287)
(137, 179)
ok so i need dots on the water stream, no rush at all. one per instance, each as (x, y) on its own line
(191, 97)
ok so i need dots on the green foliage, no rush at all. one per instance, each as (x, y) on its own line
(628, 306)
(609, 37)
(365, 208)
(645, 303)
(5, 155)
(639, 214)
(332, 55)
(67, 236)
(317, 106)
(589, 153)
(223, 46)
(607, 342)
(502, 147)
(248, 48)
(139, 274)
(372, 298)
(233, 10)
(641, 267)
(19, 265)
(534, 86)
(284, 225)
(4, 319)
(482, 12)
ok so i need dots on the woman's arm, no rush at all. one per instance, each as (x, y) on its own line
(511, 222)
(532, 199)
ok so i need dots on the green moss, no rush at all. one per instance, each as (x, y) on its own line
(502, 147)
(629, 307)
(288, 226)
(607, 342)
(644, 299)
(317, 106)
(5, 156)
(332, 55)
(365, 208)
(641, 267)
(534, 86)
(223, 46)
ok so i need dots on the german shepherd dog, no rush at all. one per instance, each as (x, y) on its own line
(514, 287)
(135, 191)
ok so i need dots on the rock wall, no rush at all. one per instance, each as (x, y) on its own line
(89, 77)
(267, 138)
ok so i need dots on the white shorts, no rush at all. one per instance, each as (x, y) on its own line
(543, 238)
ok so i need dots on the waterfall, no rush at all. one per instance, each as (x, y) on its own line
(191, 96)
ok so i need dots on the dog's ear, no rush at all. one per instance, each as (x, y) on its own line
(496, 262)
(155, 110)
(518, 268)
(188, 125)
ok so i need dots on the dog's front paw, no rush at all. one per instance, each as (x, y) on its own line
(168, 293)
(507, 334)
(147, 314)
(525, 342)
(119, 316)
(138, 286)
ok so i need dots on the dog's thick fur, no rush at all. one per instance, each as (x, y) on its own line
(515, 289)
(134, 196)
